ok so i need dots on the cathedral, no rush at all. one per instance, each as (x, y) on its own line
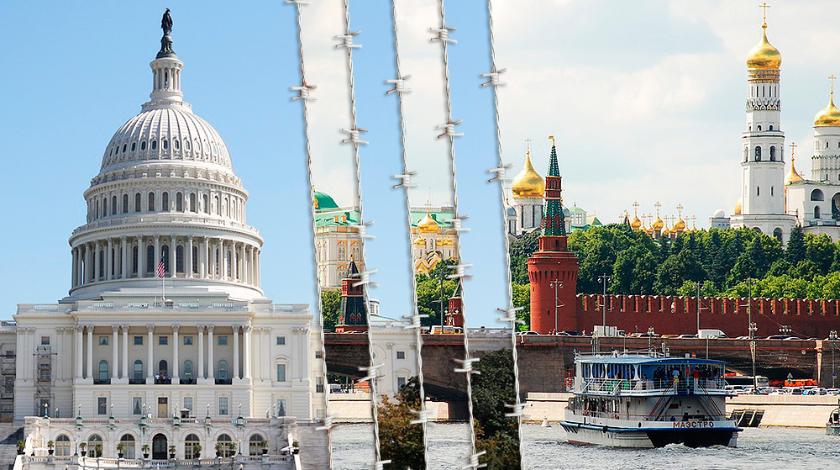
(165, 347)
(772, 200)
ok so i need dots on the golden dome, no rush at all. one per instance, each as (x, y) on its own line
(828, 116)
(636, 224)
(428, 224)
(738, 208)
(528, 183)
(764, 56)
(679, 225)
(658, 224)
(793, 176)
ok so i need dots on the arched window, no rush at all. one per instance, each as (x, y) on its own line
(192, 443)
(187, 144)
(179, 259)
(94, 446)
(124, 147)
(223, 370)
(163, 368)
(138, 202)
(206, 201)
(225, 446)
(101, 263)
(133, 146)
(113, 205)
(188, 369)
(177, 144)
(757, 153)
(758, 191)
(138, 370)
(143, 145)
(229, 264)
(762, 94)
(154, 145)
(817, 195)
(125, 204)
(97, 209)
(256, 444)
(165, 144)
(62, 446)
(104, 207)
(218, 206)
(159, 447)
(771, 125)
(193, 207)
(777, 232)
(772, 153)
(151, 202)
(179, 202)
(103, 370)
(772, 190)
(816, 212)
(164, 202)
(164, 254)
(195, 260)
(150, 259)
(128, 446)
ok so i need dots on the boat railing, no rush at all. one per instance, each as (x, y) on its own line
(690, 385)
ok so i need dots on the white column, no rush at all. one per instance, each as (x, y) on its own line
(157, 257)
(78, 372)
(235, 352)
(200, 373)
(124, 257)
(246, 352)
(204, 257)
(210, 352)
(188, 258)
(150, 358)
(223, 254)
(175, 378)
(96, 257)
(115, 367)
(89, 352)
(125, 373)
(75, 268)
(240, 262)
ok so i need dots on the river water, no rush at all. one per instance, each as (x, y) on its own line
(545, 448)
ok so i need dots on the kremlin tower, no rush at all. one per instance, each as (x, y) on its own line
(353, 313)
(553, 269)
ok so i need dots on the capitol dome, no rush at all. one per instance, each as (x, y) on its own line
(166, 203)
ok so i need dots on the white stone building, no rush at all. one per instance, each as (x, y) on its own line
(166, 339)
(770, 201)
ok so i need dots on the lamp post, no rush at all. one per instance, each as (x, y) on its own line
(833, 337)
(604, 280)
(752, 328)
(650, 334)
(556, 284)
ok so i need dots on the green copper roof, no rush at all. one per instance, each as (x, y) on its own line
(442, 217)
(336, 218)
(325, 201)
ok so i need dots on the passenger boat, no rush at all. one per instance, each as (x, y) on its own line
(648, 400)
(832, 427)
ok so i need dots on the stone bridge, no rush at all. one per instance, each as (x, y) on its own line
(546, 361)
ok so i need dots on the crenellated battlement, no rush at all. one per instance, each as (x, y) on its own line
(678, 314)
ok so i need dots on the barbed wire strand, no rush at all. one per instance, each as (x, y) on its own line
(494, 83)
(346, 42)
(399, 90)
(449, 130)
(304, 89)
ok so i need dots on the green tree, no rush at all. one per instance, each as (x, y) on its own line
(744, 269)
(400, 441)
(675, 270)
(492, 389)
(522, 299)
(819, 249)
(330, 307)
(779, 267)
(795, 250)
(805, 269)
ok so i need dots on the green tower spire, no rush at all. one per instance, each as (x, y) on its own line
(554, 222)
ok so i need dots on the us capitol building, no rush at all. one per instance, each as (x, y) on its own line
(213, 368)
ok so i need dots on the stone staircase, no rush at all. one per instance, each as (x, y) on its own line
(9, 435)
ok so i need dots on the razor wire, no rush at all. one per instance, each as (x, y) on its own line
(304, 95)
(441, 35)
(399, 89)
(507, 314)
(345, 41)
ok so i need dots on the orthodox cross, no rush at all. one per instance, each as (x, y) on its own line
(831, 78)
(764, 6)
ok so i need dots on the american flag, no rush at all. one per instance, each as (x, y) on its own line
(161, 268)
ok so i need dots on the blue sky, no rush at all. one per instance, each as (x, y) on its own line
(646, 99)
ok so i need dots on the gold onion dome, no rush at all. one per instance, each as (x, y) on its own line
(828, 116)
(764, 56)
(636, 224)
(528, 183)
(793, 176)
(428, 224)
(679, 225)
(657, 224)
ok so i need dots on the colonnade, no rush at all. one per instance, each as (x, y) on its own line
(191, 258)
(84, 341)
